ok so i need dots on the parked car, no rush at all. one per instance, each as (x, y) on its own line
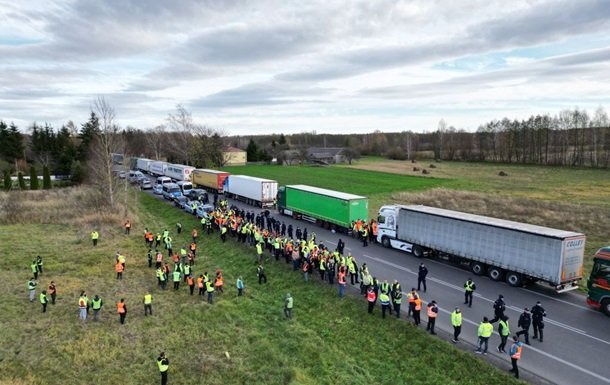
(179, 201)
(134, 176)
(203, 210)
(158, 189)
(122, 175)
(146, 185)
(196, 193)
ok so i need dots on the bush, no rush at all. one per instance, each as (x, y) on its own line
(8, 182)
(397, 153)
(46, 178)
(33, 178)
(21, 180)
(76, 172)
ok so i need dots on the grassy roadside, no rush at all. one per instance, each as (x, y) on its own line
(329, 341)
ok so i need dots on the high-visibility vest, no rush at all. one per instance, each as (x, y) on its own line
(515, 351)
(485, 329)
(43, 298)
(469, 286)
(504, 329)
(31, 285)
(95, 235)
(456, 318)
(384, 299)
(417, 304)
(190, 281)
(289, 303)
(34, 267)
(209, 287)
(147, 299)
(176, 276)
(200, 282)
(119, 267)
(259, 249)
(96, 305)
(219, 281)
(187, 269)
(430, 311)
(341, 278)
(385, 287)
(371, 296)
(120, 307)
(162, 367)
(398, 297)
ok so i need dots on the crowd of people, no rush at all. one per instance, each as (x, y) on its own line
(273, 239)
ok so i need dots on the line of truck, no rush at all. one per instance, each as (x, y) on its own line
(515, 252)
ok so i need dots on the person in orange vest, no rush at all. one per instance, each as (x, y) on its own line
(122, 310)
(127, 227)
(193, 249)
(158, 259)
(371, 298)
(219, 282)
(432, 312)
(119, 270)
(195, 235)
(200, 285)
(191, 282)
(515, 355)
(417, 310)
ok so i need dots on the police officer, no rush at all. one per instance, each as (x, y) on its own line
(421, 276)
(469, 288)
(163, 364)
(537, 320)
(525, 320)
(499, 307)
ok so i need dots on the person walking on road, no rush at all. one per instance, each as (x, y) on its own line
(421, 277)
(96, 305)
(163, 365)
(469, 288)
(485, 331)
(32, 288)
(147, 303)
(432, 312)
(499, 308)
(538, 313)
(288, 304)
(371, 298)
(456, 322)
(515, 355)
(504, 331)
(44, 300)
(525, 320)
(122, 310)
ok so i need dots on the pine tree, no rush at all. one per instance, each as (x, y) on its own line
(33, 179)
(8, 182)
(88, 131)
(252, 151)
(21, 180)
(76, 172)
(46, 178)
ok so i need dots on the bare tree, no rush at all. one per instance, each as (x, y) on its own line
(155, 140)
(108, 141)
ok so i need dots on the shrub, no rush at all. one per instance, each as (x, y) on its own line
(33, 178)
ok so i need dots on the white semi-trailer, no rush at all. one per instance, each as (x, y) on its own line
(143, 164)
(179, 172)
(254, 191)
(517, 252)
(157, 168)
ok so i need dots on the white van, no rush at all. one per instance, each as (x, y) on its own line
(163, 179)
(185, 187)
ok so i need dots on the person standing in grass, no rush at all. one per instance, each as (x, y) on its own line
(210, 290)
(260, 271)
(191, 282)
(52, 292)
(148, 303)
(32, 288)
(44, 300)
(163, 365)
(39, 264)
(176, 278)
(127, 227)
(96, 305)
(34, 268)
(341, 281)
(82, 306)
(122, 310)
(288, 304)
(371, 298)
(240, 286)
(94, 237)
(384, 298)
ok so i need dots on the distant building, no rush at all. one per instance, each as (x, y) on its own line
(328, 155)
(235, 157)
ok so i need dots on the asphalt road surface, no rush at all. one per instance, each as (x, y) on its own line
(576, 347)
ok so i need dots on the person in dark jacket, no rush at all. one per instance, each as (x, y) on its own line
(525, 320)
(499, 308)
(537, 320)
(421, 277)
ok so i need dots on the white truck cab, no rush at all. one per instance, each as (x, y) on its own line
(386, 229)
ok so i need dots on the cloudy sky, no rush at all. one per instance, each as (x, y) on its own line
(291, 66)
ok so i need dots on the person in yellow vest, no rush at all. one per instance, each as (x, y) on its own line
(515, 355)
(94, 237)
(163, 365)
(121, 308)
(44, 301)
(96, 305)
(485, 331)
(147, 303)
(432, 312)
(210, 290)
(456, 322)
(469, 288)
(384, 298)
(504, 332)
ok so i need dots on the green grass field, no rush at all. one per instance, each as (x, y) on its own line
(329, 341)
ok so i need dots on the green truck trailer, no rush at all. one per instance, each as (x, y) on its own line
(598, 284)
(328, 208)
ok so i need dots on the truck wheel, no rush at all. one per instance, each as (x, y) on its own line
(385, 241)
(418, 251)
(514, 279)
(495, 273)
(477, 268)
(605, 308)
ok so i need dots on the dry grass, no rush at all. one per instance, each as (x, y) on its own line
(79, 206)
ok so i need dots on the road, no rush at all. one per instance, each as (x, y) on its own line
(577, 338)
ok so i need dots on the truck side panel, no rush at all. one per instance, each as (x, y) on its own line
(210, 180)
(263, 191)
(324, 207)
(532, 254)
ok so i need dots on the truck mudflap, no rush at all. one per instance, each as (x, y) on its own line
(594, 304)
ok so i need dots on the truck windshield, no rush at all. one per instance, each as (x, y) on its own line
(601, 274)
(174, 190)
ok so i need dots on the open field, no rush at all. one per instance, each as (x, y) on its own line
(328, 342)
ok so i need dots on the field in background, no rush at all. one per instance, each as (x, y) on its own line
(325, 343)
(576, 199)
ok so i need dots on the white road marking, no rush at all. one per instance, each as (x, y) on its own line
(518, 310)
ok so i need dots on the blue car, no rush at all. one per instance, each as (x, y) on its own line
(158, 189)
